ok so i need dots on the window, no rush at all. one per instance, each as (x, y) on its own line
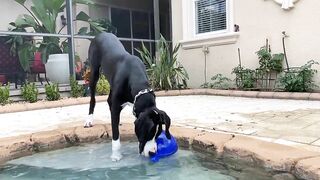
(210, 16)
(140, 25)
(207, 22)
(121, 20)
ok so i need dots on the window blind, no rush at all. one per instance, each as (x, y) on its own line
(211, 16)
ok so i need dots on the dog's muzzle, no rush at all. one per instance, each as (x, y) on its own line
(150, 148)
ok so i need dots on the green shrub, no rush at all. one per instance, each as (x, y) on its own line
(52, 92)
(103, 87)
(219, 82)
(298, 79)
(165, 72)
(4, 94)
(270, 62)
(245, 78)
(76, 89)
(30, 92)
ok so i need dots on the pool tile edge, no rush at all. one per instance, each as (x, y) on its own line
(302, 163)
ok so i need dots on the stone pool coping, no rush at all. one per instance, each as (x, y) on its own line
(23, 106)
(302, 163)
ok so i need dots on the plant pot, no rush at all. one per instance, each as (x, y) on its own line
(57, 68)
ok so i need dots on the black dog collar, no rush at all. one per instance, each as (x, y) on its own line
(140, 93)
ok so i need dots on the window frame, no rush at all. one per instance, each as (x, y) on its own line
(190, 21)
(212, 32)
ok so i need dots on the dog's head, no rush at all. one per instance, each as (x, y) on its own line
(148, 127)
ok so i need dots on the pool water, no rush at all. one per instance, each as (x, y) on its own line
(93, 162)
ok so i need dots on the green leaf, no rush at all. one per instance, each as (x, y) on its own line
(83, 31)
(30, 20)
(20, 1)
(53, 6)
(65, 47)
(82, 16)
(88, 2)
(45, 15)
(24, 57)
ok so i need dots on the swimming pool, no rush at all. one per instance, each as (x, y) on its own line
(91, 161)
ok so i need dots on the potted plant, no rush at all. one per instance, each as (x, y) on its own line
(42, 18)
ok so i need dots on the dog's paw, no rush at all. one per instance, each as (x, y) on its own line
(116, 153)
(89, 121)
(116, 156)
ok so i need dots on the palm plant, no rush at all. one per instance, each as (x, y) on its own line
(42, 18)
(164, 72)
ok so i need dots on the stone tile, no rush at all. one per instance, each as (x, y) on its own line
(308, 147)
(197, 92)
(267, 133)
(185, 136)
(36, 105)
(282, 125)
(308, 168)
(218, 92)
(300, 96)
(71, 102)
(282, 95)
(314, 96)
(48, 140)
(237, 93)
(250, 94)
(316, 143)
(70, 135)
(97, 132)
(300, 138)
(84, 100)
(265, 95)
(160, 93)
(270, 155)
(314, 117)
(101, 98)
(126, 132)
(15, 147)
(260, 116)
(175, 92)
(237, 127)
(211, 141)
(15, 107)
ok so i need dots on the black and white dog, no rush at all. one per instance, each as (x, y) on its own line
(128, 83)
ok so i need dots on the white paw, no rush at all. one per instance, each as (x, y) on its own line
(116, 156)
(89, 121)
(116, 153)
(151, 146)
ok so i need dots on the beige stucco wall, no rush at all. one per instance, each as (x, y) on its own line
(258, 20)
(9, 10)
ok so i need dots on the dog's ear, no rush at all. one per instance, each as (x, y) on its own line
(161, 117)
(144, 129)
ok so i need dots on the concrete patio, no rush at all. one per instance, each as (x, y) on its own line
(290, 122)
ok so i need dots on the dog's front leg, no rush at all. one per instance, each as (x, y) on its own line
(116, 145)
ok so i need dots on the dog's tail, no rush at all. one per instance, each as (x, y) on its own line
(94, 59)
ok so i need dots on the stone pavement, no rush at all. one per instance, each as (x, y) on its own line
(291, 122)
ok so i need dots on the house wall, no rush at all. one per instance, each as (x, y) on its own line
(10, 10)
(258, 20)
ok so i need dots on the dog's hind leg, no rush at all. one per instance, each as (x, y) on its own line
(94, 77)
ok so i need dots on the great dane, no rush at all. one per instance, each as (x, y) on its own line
(129, 83)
